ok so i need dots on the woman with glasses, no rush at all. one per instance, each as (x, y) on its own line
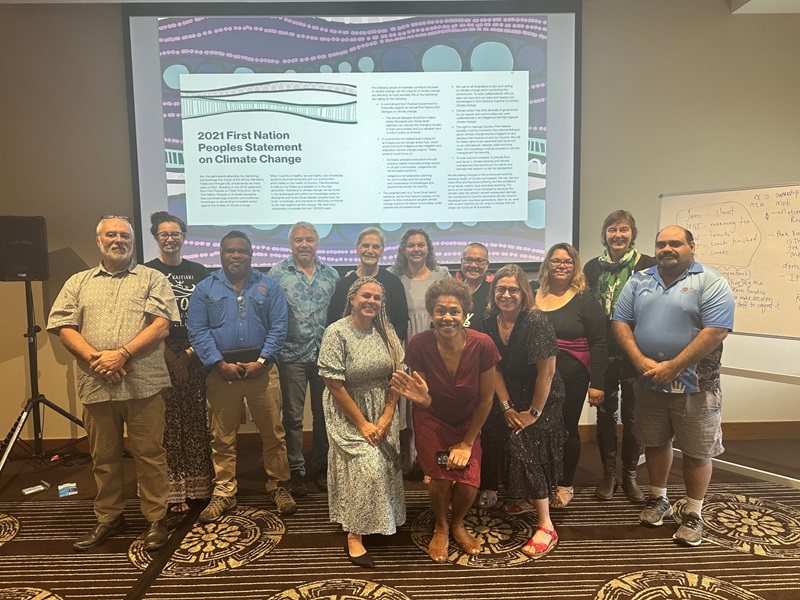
(606, 275)
(580, 326)
(186, 437)
(527, 408)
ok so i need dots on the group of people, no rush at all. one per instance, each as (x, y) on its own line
(479, 378)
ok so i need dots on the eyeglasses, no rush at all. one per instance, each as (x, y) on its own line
(501, 290)
(468, 260)
(242, 309)
(557, 262)
(123, 217)
(165, 235)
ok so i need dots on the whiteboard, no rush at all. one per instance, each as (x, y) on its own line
(752, 236)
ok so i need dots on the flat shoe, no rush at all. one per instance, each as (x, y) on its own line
(469, 544)
(440, 543)
(362, 560)
(538, 547)
(518, 507)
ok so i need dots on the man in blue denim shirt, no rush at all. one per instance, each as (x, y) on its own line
(237, 308)
(308, 284)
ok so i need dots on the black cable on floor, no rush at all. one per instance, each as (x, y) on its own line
(151, 573)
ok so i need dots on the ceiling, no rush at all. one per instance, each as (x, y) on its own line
(738, 7)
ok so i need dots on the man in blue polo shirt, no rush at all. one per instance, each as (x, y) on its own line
(671, 319)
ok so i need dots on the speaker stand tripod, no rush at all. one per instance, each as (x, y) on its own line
(35, 402)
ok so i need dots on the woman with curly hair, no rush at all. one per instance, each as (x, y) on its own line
(451, 387)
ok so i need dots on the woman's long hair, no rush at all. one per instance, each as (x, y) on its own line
(578, 283)
(400, 266)
(381, 322)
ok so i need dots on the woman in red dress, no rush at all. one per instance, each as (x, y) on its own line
(451, 387)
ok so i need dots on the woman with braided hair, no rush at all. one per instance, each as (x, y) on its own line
(358, 355)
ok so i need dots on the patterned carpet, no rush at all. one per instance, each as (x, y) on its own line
(751, 550)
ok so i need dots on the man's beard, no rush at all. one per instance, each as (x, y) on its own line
(116, 256)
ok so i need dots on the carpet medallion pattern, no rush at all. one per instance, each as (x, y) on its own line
(750, 525)
(27, 593)
(503, 536)
(9, 527)
(341, 589)
(671, 585)
(239, 537)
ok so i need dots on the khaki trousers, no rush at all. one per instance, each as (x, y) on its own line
(105, 424)
(225, 410)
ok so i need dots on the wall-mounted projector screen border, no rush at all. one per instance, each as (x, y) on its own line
(459, 117)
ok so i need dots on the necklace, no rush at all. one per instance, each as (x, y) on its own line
(505, 329)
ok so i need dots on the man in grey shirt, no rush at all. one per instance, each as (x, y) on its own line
(113, 318)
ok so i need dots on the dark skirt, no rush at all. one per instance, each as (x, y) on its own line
(535, 457)
(186, 436)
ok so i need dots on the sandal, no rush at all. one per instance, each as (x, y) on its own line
(438, 549)
(469, 544)
(561, 497)
(488, 499)
(179, 507)
(518, 507)
(538, 548)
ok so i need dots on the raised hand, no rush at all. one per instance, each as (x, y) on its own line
(412, 387)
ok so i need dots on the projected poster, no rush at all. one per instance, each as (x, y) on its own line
(349, 122)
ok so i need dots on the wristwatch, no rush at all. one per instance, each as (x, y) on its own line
(261, 360)
(535, 412)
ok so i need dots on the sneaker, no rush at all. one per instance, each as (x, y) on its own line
(654, 511)
(297, 485)
(283, 501)
(690, 533)
(216, 507)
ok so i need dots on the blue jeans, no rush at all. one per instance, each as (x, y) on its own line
(295, 378)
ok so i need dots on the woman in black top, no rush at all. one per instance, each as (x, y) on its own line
(186, 437)
(369, 247)
(606, 276)
(580, 327)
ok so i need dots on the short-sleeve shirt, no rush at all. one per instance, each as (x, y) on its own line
(308, 301)
(453, 399)
(109, 311)
(182, 278)
(665, 320)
